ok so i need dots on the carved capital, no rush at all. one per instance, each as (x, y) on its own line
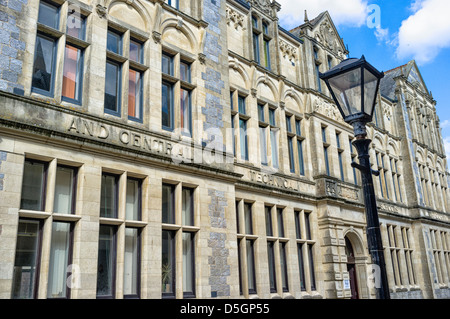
(101, 11)
(156, 36)
(235, 19)
(202, 58)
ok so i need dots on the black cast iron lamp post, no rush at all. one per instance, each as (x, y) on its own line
(354, 87)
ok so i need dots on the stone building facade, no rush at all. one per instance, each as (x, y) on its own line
(179, 149)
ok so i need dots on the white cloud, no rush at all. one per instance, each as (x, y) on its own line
(426, 32)
(343, 12)
(382, 35)
(445, 124)
(447, 146)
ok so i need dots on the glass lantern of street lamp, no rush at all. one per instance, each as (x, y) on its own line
(354, 87)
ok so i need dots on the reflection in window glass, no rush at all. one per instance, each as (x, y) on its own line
(188, 264)
(135, 94)
(168, 204)
(76, 25)
(44, 60)
(59, 260)
(185, 111)
(251, 267)
(168, 263)
(108, 203)
(131, 262)
(33, 186)
(133, 200)
(167, 106)
(188, 206)
(64, 190)
(72, 74)
(112, 87)
(135, 51)
(114, 42)
(48, 15)
(106, 261)
(26, 260)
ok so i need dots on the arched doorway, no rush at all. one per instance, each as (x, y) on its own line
(351, 268)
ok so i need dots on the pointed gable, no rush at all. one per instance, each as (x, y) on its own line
(414, 77)
(410, 71)
(323, 31)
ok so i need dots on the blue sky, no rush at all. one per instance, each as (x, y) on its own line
(405, 30)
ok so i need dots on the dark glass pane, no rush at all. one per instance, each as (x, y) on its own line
(256, 48)
(272, 117)
(168, 202)
(44, 60)
(261, 112)
(106, 261)
(298, 128)
(48, 15)
(291, 155)
(280, 222)
(251, 267)
(167, 106)
(283, 266)
(108, 202)
(308, 226)
(243, 139)
(112, 83)
(267, 54)
(33, 186)
(297, 225)
(311, 267)
(268, 216)
(300, 157)
(271, 258)
(301, 266)
(26, 260)
(241, 104)
(168, 262)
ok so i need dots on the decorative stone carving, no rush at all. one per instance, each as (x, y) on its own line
(329, 110)
(235, 19)
(202, 58)
(156, 36)
(101, 11)
(387, 111)
(336, 189)
(263, 5)
(288, 51)
(327, 36)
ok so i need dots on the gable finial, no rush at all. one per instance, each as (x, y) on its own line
(306, 16)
